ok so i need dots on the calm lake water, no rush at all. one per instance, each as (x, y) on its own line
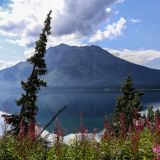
(93, 104)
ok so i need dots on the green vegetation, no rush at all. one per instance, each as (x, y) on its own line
(128, 102)
(137, 144)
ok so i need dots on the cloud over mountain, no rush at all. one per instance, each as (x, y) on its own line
(82, 16)
(7, 64)
(72, 20)
(111, 31)
(140, 56)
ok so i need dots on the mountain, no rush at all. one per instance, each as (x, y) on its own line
(82, 67)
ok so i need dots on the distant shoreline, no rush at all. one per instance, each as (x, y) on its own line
(82, 89)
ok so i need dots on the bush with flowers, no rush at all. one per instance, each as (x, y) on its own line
(140, 142)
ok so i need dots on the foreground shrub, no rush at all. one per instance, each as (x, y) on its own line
(13, 148)
(141, 142)
(145, 145)
(81, 148)
(115, 149)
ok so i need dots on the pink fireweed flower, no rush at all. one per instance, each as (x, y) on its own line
(38, 129)
(138, 124)
(130, 129)
(106, 125)
(82, 130)
(58, 130)
(107, 129)
(134, 140)
(21, 130)
(31, 131)
(157, 123)
(122, 131)
(94, 133)
(135, 113)
(156, 148)
(148, 124)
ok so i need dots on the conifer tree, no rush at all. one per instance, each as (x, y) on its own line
(128, 102)
(150, 114)
(31, 87)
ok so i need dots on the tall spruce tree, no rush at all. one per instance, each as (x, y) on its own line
(128, 102)
(31, 87)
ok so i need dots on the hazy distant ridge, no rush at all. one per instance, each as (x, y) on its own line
(82, 67)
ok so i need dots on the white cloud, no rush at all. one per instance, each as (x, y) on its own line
(120, 1)
(12, 41)
(71, 39)
(7, 64)
(1, 47)
(82, 17)
(111, 31)
(23, 19)
(140, 56)
(133, 20)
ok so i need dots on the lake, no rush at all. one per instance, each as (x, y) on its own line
(93, 104)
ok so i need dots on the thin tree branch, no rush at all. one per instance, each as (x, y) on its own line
(54, 117)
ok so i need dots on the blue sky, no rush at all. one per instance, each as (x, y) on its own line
(129, 29)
